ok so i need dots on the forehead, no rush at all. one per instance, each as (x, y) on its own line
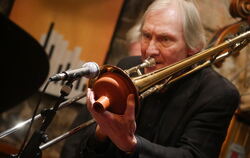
(167, 20)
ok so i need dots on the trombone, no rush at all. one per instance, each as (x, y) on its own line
(144, 85)
(152, 82)
(120, 84)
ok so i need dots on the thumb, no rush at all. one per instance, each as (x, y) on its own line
(90, 99)
(100, 133)
(130, 109)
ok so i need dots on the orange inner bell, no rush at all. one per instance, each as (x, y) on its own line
(111, 92)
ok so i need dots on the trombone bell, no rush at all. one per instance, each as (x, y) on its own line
(112, 88)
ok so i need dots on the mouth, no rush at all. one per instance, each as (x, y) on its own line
(150, 69)
(156, 66)
(156, 60)
(157, 63)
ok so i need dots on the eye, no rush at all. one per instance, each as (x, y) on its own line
(146, 35)
(163, 39)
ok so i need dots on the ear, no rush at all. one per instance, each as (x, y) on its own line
(191, 52)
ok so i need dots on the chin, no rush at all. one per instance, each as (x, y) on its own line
(151, 69)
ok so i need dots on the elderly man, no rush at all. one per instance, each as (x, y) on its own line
(187, 120)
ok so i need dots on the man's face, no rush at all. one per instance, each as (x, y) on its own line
(162, 38)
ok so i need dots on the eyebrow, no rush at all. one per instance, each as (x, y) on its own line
(166, 34)
(144, 31)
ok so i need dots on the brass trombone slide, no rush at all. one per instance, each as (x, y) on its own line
(24, 123)
(67, 134)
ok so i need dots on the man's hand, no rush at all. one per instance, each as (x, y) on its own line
(119, 128)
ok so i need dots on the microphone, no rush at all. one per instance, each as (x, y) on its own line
(89, 70)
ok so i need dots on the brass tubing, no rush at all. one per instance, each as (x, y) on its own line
(146, 81)
(67, 134)
(38, 116)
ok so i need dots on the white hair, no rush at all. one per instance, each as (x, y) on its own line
(133, 34)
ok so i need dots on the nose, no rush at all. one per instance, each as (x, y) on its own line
(152, 49)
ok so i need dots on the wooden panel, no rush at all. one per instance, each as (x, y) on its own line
(81, 30)
(88, 24)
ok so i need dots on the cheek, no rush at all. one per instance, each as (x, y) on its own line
(172, 55)
(143, 49)
(168, 54)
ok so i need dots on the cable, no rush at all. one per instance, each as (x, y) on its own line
(34, 114)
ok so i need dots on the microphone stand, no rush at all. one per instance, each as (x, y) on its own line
(32, 149)
(24, 123)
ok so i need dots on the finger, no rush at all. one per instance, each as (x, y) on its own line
(108, 115)
(130, 109)
(90, 98)
(132, 128)
(100, 133)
